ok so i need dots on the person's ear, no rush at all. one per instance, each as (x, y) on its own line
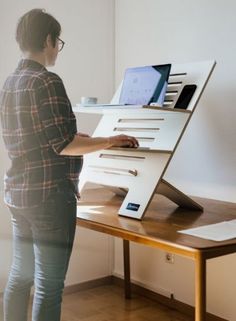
(48, 41)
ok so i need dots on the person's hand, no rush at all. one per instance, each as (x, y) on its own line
(123, 141)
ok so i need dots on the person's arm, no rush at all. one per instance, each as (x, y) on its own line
(54, 112)
(59, 126)
(81, 145)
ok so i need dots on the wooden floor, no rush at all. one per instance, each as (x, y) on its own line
(107, 303)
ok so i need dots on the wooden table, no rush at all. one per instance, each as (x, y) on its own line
(98, 209)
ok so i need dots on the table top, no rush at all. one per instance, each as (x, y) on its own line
(98, 208)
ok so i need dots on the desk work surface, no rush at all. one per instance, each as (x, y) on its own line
(98, 208)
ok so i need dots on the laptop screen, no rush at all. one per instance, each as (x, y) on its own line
(145, 85)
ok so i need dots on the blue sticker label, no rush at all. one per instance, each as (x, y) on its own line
(133, 207)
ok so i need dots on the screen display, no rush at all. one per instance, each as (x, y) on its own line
(145, 85)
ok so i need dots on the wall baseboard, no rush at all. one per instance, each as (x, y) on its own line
(69, 289)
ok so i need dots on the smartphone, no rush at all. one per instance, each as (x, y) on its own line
(185, 96)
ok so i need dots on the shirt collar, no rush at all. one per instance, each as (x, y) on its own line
(28, 63)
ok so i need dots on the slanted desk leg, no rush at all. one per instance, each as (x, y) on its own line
(200, 288)
(127, 269)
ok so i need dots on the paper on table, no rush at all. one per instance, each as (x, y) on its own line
(216, 232)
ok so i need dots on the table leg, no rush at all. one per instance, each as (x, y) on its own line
(126, 254)
(200, 288)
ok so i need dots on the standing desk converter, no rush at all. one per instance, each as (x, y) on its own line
(159, 130)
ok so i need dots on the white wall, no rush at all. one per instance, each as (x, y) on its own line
(86, 65)
(157, 31)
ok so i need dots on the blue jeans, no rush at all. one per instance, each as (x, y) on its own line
(42, 243)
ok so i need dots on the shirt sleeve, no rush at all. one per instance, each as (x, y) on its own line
(55, 114)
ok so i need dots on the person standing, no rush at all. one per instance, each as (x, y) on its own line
(46, 152)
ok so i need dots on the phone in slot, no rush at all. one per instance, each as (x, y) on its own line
(185, 96)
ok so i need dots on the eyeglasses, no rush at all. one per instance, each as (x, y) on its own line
(61, 44)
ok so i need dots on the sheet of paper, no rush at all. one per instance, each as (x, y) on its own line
(222, 231)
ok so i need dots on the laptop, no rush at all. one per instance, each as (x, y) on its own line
(145, 85)
(141, 86)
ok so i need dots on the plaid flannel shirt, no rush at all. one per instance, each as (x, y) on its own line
(37, 123)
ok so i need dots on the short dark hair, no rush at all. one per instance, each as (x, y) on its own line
(34, 27)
